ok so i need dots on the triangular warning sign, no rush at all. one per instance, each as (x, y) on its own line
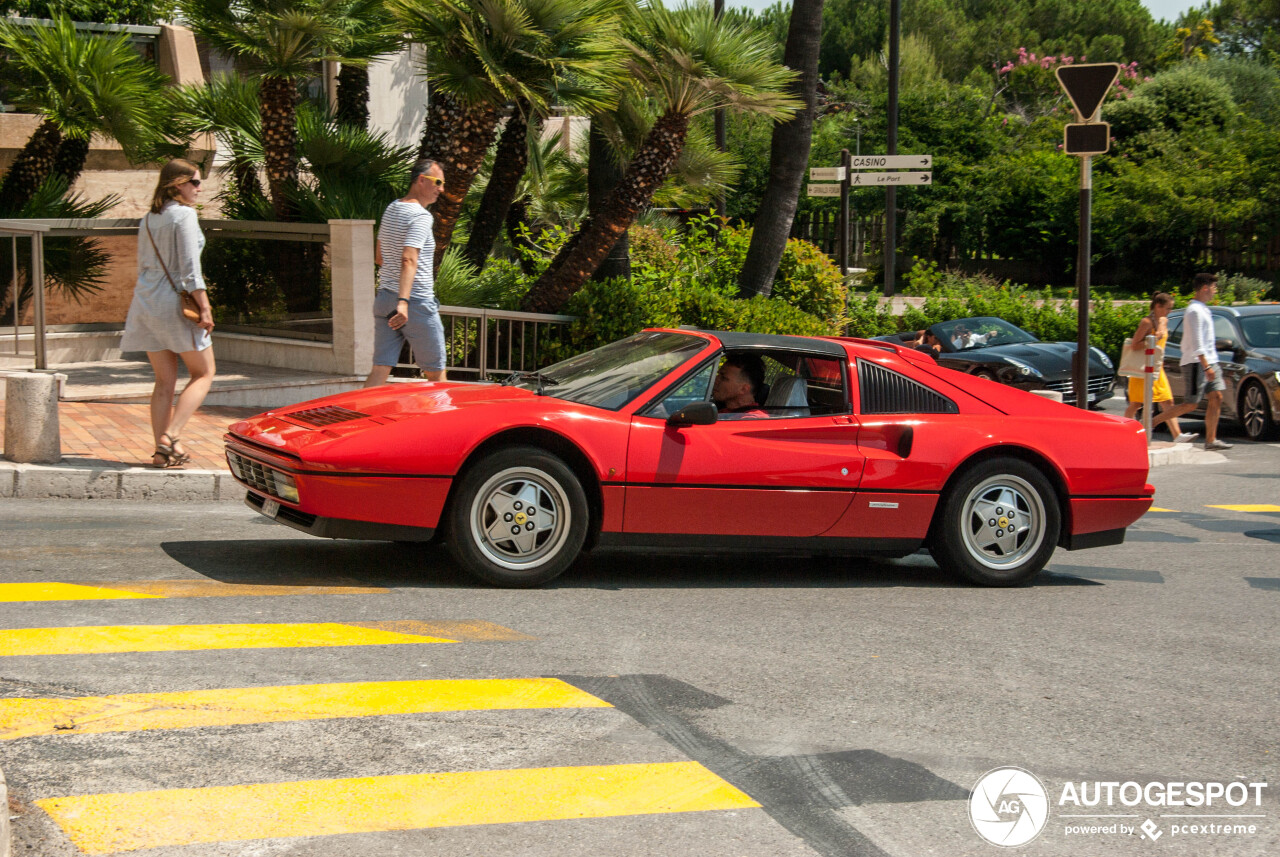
(1086, 85)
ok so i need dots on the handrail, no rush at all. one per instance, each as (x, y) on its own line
(267, 230)
(36, 232)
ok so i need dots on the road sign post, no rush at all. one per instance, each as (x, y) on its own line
(844, 212)
(1086, 85)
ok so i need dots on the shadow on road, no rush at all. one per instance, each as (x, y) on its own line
(296, 562)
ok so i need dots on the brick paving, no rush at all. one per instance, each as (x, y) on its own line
(98, 432)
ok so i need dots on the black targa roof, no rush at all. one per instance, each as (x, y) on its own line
(737, 341)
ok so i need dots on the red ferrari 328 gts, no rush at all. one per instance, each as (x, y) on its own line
(866, 448)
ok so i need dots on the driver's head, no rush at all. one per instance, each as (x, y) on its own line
(740, 379)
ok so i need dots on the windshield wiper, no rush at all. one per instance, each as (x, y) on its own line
(544, 381)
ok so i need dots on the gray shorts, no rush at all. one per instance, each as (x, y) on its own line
(423, 331)
(1199, 384)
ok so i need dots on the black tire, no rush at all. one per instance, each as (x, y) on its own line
(985, 373)
(972, 534)
(523, 488)
(1255, 412)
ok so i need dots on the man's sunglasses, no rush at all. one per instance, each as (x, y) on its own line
(433, 179)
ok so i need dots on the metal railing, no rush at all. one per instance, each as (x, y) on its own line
(36, 231)
(481, 342)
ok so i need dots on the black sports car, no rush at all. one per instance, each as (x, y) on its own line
(993, 348)
(1248, 343)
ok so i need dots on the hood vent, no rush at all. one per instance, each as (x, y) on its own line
(327, 416)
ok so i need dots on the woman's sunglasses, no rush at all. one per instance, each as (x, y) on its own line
(194, 182)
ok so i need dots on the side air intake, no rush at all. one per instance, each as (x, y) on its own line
(886, 392)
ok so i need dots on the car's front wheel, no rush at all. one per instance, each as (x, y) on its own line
(1255, 412)
(997, 524)
(519, 517)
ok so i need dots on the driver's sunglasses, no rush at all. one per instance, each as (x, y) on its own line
(436, 181)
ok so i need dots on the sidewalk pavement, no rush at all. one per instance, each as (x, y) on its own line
(106, 449)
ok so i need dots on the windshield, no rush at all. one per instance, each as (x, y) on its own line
(611, 376)
(1261, 331)
(966, 334)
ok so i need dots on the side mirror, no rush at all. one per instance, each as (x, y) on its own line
(1229, 346)
(695, 414)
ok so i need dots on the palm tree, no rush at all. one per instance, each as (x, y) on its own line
(484, 54)
(374, 34)
(282, 41)
(788, 155)
(79, 84)
(691, 63)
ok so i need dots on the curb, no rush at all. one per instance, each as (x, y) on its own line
(1164, 452)
(70, 482)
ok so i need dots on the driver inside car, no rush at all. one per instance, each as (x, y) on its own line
(739, 386)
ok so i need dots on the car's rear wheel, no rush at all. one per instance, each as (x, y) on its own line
(1255, 412)
(984, 373)
(997, 524)
(519, 517)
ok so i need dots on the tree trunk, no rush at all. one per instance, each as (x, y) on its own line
(788, 155)
(279, 99)
(603, 174)
(508, 168)
(444, 114)
(69, 161)
(30, 169)
(471, 140)
(353, 96)
(580, 257)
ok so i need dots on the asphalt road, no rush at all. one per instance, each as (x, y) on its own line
(855, 702)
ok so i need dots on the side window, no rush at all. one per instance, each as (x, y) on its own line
(1175, 331)
(696, 388)
(884, 391)
(1224, 329)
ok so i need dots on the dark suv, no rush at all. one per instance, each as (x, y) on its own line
(1248, 343)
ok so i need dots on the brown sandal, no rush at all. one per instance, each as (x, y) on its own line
(176, 459)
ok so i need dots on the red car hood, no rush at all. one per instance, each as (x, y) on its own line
(311, 429)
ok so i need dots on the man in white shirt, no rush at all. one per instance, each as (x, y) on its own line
(1200, 363)
(405, 306)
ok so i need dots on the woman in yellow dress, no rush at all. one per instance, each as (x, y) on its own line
(1158, 323)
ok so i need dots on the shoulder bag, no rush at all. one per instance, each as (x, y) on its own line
(1133, 361)
(190, 309)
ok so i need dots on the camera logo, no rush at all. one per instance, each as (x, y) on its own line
(1008, 807)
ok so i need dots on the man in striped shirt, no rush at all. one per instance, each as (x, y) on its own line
(405, 307)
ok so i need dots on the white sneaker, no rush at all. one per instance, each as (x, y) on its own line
(1186, 437)
(1218, 445)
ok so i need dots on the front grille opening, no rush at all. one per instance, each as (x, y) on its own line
(884, 391)
(325, 416)
(260, 477)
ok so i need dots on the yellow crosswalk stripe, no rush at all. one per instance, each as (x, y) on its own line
(87, 640)
(109, 589)
(23, 718)
(1250, 507)
(111, 823)
(10, 592)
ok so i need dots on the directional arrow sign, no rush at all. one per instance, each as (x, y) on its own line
(866, 179)
(891, 162)
(1086, 85)
(826, 174)
(824, 189)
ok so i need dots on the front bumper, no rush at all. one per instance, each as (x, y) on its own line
(340, 528)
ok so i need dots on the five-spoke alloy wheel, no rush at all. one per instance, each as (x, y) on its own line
(998, 524)
(519, 517)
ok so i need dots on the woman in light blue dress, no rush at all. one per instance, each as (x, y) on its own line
(169, 245)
